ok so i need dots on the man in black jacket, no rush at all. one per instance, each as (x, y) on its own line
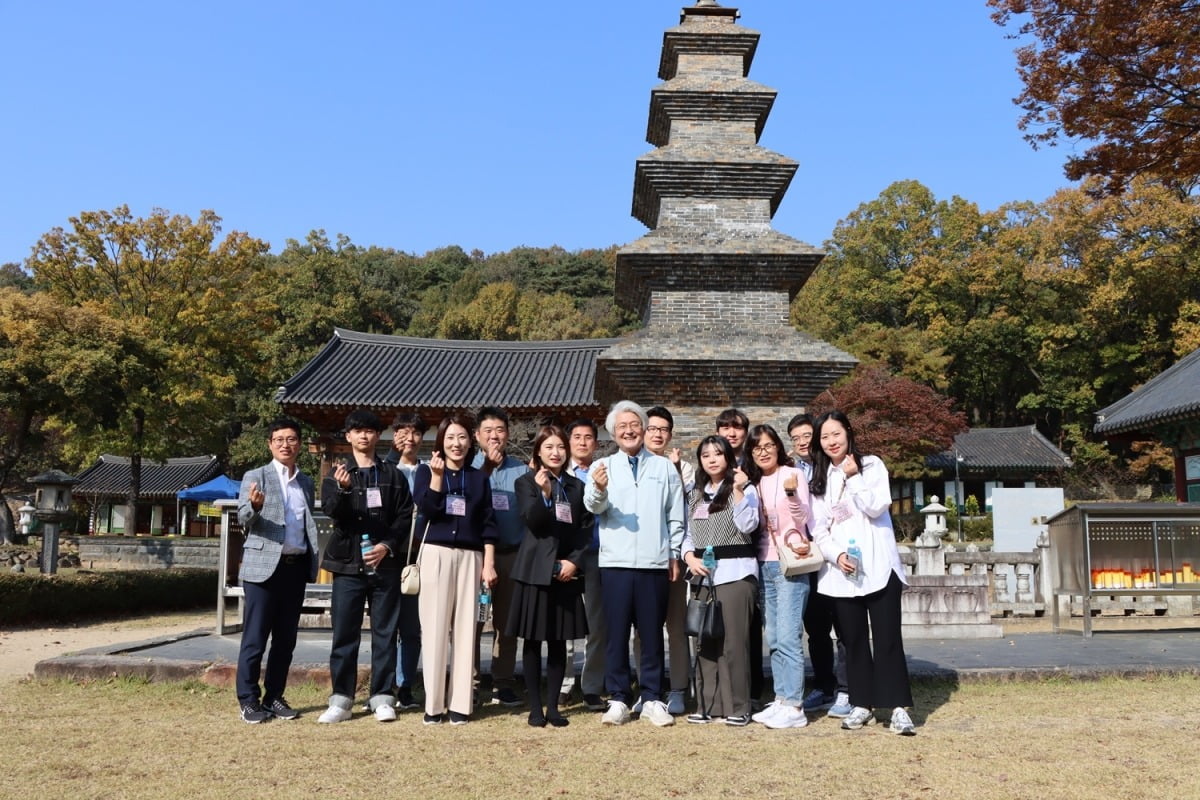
(371, 506)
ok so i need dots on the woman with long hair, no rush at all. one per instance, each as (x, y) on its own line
(853, 527)
(457, 556)
(547, 603)
(785, 512)
(723, 522)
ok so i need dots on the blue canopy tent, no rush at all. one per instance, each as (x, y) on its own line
(219, 488)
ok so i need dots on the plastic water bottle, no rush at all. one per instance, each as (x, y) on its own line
(709, 559)
(366, 548)
(855, 555)
(485, 603)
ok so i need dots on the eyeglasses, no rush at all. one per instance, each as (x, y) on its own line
(657, 429)
(286, 440)
(762, 449)
(630, 426)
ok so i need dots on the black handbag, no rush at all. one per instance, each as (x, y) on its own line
(704, 619)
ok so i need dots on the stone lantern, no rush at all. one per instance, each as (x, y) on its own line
(52, 505)
(935, 522)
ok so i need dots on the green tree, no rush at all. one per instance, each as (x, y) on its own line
(197, 306)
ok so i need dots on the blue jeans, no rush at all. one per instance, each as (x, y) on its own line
(783, 614)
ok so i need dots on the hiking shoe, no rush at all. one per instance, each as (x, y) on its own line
(841, 707)
(385, 712)
(433, 719)
(675, 703)
(902, 723)
(762, 716)
(617, 714)
(280, 709)
(787, 717)
(507, 697)
(405, 700)
(656, 712)
(459, 719)
(335, 714)
(253, 713)
(860, 717)
(593, 702)
(740, 721)
(699, 718)
(818, 700)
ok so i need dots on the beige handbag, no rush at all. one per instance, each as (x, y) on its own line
(410, 576)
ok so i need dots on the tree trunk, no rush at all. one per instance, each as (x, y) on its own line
(135, 472)
(7, 528)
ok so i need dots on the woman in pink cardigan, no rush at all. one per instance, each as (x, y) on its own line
(785, 513)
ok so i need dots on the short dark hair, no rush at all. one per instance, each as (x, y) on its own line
(798, 420)
(491, 412)
(361, 418)
(410, 420)
(662, 413)
(583, 423)
(732, 418)
(545, 433)
(283, 423)
(463, 419)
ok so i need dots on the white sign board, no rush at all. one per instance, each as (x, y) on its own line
(1017, 516)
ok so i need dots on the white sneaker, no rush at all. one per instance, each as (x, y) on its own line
(656, 712)
(762, 716)
(859, 718)
(675, 703)
(617, 714)
(385, 713)
(902, 723)
(787, 717)
(335, 714)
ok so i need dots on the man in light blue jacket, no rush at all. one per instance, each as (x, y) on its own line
(637, 498)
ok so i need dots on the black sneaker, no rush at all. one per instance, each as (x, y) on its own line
(459, 719)
(279, 708)
(253, 713)
(405, 700)
(433, 719)
(739, 721)
(507, 697)
(594, 702)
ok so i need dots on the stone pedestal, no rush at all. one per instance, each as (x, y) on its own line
(947, 607)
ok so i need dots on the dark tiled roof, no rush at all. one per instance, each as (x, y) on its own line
(109, 476)
(1170, 396)
(1001, 449)
(376, 371)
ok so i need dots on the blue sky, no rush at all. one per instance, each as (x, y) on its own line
(483, 124)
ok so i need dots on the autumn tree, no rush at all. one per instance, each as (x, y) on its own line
(57, 363)
(1121, 76)
(197, 307)
(895, 418)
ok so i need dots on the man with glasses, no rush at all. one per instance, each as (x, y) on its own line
(279, 557)
(637, 498)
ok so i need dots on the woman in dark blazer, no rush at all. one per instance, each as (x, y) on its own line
(547, 603)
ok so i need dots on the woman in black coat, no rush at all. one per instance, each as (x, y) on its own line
(547, 604)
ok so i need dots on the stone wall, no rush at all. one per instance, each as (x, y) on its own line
(141, 552)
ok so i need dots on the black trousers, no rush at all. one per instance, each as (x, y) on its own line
(350, 593)
(637, 598)
(819, 620)
(270, 609)
(877, 671)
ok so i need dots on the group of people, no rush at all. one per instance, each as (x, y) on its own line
(567, 547)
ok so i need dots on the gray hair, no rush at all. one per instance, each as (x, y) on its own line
(620, 407)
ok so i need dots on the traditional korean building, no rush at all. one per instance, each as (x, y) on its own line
(105, 486)
(983, 459)
(1167, 408)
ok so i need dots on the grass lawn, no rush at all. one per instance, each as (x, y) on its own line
(1055, 739)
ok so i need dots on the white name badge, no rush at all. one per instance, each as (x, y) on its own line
(562, 512)
(456, 505)
(500, 502)
(374, 498)
(841, 512)
(701, 511)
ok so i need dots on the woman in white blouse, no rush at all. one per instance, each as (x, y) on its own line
(853, 527)
(723, 516)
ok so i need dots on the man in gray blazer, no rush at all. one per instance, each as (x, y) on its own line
(279, 557)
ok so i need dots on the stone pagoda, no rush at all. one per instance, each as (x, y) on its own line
(712, 280)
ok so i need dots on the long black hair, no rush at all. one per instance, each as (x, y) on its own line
(721, 501)
(749, 465)
(821, 462)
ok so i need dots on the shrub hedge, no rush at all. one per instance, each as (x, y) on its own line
(31, 599)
